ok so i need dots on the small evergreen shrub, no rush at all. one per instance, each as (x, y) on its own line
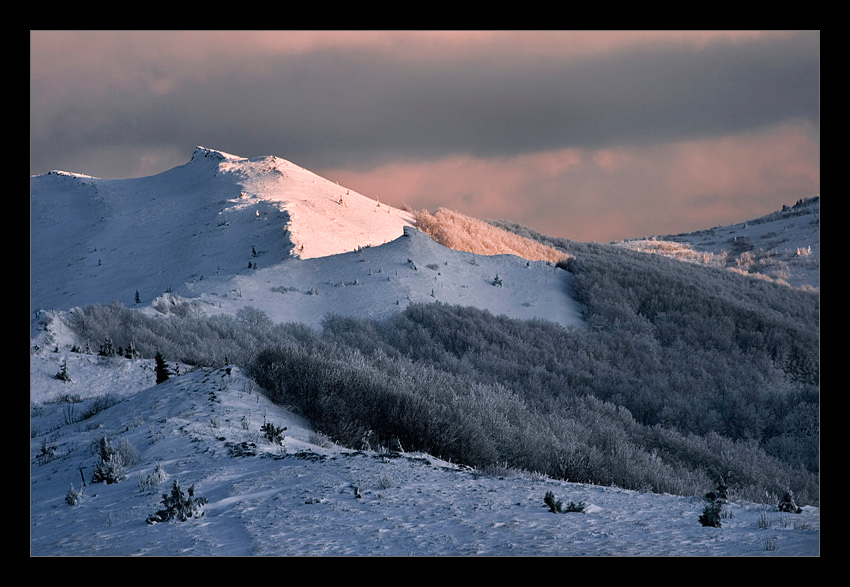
(47, 454)
(713, 509)
(272, 433)
(710, 515)
(161, 369)
(720, 494)
(788, 505)
(107, 349)
(74, 497)
(576, 507)
(178, 506)
(110, 469)
(63, 374)
(555, 505)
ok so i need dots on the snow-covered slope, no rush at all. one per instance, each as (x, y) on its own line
(783, 246)
(98, 240)
(313, 247)
(376, 282)
(301, 497)
(230, 231)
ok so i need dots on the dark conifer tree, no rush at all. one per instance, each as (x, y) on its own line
(161, 368)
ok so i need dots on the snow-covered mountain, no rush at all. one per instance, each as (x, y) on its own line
(783, 246)
(228, 232)
(222, 233)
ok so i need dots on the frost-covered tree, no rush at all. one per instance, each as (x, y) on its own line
(110, 469)
(63, 374)
(107, 349)
(74, 497)
(178, 506)
(131, 352)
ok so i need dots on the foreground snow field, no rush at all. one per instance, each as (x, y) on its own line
(309, 497)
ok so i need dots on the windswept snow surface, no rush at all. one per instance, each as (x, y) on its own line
(376, 282)
(301, 497)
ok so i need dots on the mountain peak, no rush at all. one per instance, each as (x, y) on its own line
(202, 153)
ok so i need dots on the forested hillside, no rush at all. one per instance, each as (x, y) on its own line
(684, 375)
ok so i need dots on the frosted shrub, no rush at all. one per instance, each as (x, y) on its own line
(320, 439)
(47, 454)
(74, 497)
(788, 505)
(63, 374)
(710, 515)
(152, 480)
(713, 509)
(128, 453)
(556, 506)
(99, 404)
(178, 506)
(110, 469)
(272, 433)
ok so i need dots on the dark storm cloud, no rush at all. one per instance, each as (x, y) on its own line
(358, 106)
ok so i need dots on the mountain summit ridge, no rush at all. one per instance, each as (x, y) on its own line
(225, 230)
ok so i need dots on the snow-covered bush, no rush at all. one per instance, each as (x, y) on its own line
(710, 515)
(107, 349)
(74, 497)
(272, 433)
(556, 506)
(127, 452)
(63, 374)
(788, 505)
(99, 404)
(110, 469)
(178, 506)
(151, 481)
(713, 510)
(48, 452)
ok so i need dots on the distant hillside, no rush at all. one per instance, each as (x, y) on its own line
(783, 246)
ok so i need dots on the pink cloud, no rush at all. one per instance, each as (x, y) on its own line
(613, 193)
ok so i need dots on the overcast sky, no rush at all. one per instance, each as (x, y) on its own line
(589, 135)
